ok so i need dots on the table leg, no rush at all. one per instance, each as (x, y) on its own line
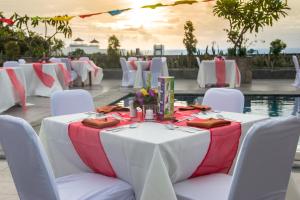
(90, 78)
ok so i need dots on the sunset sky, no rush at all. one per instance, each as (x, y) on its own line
(141, 28)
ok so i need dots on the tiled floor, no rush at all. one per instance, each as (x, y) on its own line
(110, 91)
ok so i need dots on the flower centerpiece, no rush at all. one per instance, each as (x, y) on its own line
(146, 96)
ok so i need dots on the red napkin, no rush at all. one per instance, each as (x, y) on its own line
(108, 109)
(195, 107)
(208, 123)
(100, 123)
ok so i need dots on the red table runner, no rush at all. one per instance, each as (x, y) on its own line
(87, 143)
(18, 86)
(46, 79)
(66, 74)
(224, 142)
(220, 72)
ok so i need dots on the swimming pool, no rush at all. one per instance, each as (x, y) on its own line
(273, 106)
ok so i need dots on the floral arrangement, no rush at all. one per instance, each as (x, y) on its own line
(146, 96)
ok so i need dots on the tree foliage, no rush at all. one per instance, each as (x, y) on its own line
(277, 46)
(113, 50)
(248, 16)
(189, 40)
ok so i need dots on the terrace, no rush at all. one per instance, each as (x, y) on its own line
(155, 124)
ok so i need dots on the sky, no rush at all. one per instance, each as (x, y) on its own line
(142, 28)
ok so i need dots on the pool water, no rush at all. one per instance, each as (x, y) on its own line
(273, 106)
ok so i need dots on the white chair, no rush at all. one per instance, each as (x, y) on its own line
(297, 79)
(224, 99)
(263, 166)
(71, 101)
(84, 59)
(34, 178)
(155, 71)
(132, 58)
(11, 64)
(22, 61)
(68, 64)
(55, 60)
(128, 74)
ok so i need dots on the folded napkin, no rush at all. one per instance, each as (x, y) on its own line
(208, 123)
(108, 109)
(100, 123)
(195, 107)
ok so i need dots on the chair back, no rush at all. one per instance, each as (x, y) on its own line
(124, 65)
(132, 58)
(11, 64)
(224, 99)
(55, 60)
(27, 160)
(84, 59)
(198, 61)
(156, 65)
(296, 63)
(22, 61)
(265, 161)
(70, 102)
(67, 62)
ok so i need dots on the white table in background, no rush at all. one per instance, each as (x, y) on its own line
(8, 94)
(84, 68)
(151, 157)
(142, 66)
(207, 73)
(35, 87)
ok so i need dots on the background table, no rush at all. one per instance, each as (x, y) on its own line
(84, 68)
(35, 86)
(207, 73)
(142, 66)
(151, 157)
(8, 94)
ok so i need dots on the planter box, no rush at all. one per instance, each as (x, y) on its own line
(192, 73)
(274, 74)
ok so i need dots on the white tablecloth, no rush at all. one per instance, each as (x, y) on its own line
(151, 157)
(142, 66)
(36, 87)
(8, 94)
(207, 73)
(82, 68)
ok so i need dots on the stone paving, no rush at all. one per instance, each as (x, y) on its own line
(110, 91)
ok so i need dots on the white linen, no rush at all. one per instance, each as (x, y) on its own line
(36, 87)
(151, 158)
(8, 95)
(83, 67)
(142, 66)
(207, 73)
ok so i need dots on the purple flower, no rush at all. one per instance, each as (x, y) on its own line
(151, 93)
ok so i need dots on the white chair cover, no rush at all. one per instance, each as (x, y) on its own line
(55, 60)
(30, 168)
(265, 162)
(68, 64)
(11, 64)
(84, 59)
(224, 99)
(128, 75)
(262, 171)
(297, 79)
(22, 61)
(71, 101)
(33, 175)
(155, 71)
(132, 58)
